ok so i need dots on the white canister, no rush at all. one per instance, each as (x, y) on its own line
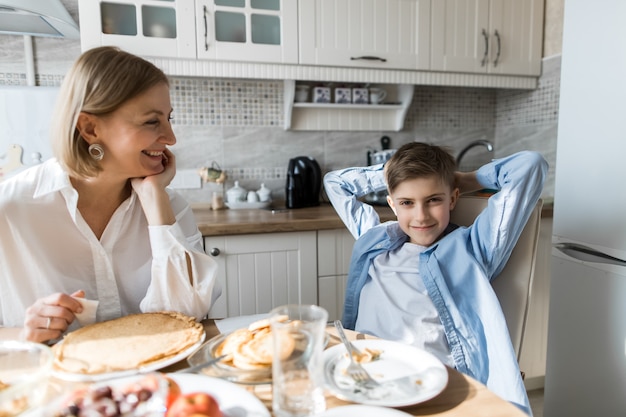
(236, 194)
(265, 194)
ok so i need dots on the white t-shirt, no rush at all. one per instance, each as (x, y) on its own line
(395, 305)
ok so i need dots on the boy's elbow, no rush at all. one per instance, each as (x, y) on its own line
(538, 163)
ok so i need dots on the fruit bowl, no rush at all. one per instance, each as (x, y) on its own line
(24, 371)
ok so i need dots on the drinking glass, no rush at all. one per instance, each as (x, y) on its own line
(297, 369)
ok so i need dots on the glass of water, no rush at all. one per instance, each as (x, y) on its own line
(297, 369)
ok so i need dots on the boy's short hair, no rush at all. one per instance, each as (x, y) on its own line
(420, 160)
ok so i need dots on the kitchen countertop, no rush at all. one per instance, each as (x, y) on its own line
(250, 221)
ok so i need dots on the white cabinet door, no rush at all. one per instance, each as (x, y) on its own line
(334, 249)
(144, 27)
(384, 34)
(261, 271)
(490, 36)
(247, 30)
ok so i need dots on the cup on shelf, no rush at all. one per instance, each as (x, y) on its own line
(302, 93)
(343, 95)
(377, 95)
(359, 96)
(297, 371)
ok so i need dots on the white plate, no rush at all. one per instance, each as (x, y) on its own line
(233, 400)
(70, 376)
(245, 205)
(408, 375)
(362, 411)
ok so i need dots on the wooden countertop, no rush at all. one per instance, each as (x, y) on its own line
(244, 221)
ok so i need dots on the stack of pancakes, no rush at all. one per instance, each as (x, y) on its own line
(130, 342)
(252, 348)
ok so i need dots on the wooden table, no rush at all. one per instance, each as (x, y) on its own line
(462, 397)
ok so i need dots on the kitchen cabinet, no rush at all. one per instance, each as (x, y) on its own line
(247, 30)
(487, 36)
(226, 30)
(353, 117)
(144, 27)
(334, 249)
(383, 34)
(261, 271)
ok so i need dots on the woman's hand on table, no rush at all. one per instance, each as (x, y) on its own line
(49, 317)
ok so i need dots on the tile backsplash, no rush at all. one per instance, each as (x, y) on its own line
(238, 123)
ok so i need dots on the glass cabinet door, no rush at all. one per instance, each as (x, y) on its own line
(248, 30)
(156, 21)
(145, 27)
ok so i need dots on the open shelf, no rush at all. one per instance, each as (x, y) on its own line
(354, 117)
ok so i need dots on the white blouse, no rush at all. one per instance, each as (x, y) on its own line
(47, 247)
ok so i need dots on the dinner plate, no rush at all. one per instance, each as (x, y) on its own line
(407, 375)
(234, 401)
(154, 366)
(362, 411)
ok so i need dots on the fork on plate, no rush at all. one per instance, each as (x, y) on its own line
(354, 369)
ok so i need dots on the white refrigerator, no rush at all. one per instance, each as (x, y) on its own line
(586, 357)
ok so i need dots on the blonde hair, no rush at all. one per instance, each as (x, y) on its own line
(420, 160)
(100, 81)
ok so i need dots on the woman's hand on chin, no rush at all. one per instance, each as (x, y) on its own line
(157, 181)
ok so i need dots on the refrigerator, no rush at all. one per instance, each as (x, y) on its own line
(586, 356)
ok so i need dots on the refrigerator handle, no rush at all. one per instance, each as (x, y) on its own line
(583, 253)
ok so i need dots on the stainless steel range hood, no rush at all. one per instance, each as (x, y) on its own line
(37, 18)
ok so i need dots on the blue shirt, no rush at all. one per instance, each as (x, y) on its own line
(457, 269)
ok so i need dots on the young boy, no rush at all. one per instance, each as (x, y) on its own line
(423, 281)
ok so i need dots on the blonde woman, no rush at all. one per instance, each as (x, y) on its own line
(97, 221)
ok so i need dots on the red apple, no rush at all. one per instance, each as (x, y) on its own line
(198, 404)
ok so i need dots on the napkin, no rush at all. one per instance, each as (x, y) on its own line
(88, 316)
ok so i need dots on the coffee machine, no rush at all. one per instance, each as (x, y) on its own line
(375, 157)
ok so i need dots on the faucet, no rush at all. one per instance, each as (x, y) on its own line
(480, 142)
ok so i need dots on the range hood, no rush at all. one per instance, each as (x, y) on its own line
(37, 18)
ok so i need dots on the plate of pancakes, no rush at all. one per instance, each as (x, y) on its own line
(136, 343)
(248, 353)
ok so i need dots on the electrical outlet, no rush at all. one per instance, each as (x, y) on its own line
(186, 178)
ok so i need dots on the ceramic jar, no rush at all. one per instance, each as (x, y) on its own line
(264, 193)
(236, 194)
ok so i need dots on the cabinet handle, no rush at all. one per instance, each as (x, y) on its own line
(214, 252)
(368, 58)
(206, 35)
(495, 62)
(486, 36)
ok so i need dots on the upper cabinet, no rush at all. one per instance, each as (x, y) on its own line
(145, 27)
(383, 34)
(487, 36)
(473, 43)
(247, 30)
(227, 30)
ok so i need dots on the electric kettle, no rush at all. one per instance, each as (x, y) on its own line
(304, 183)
